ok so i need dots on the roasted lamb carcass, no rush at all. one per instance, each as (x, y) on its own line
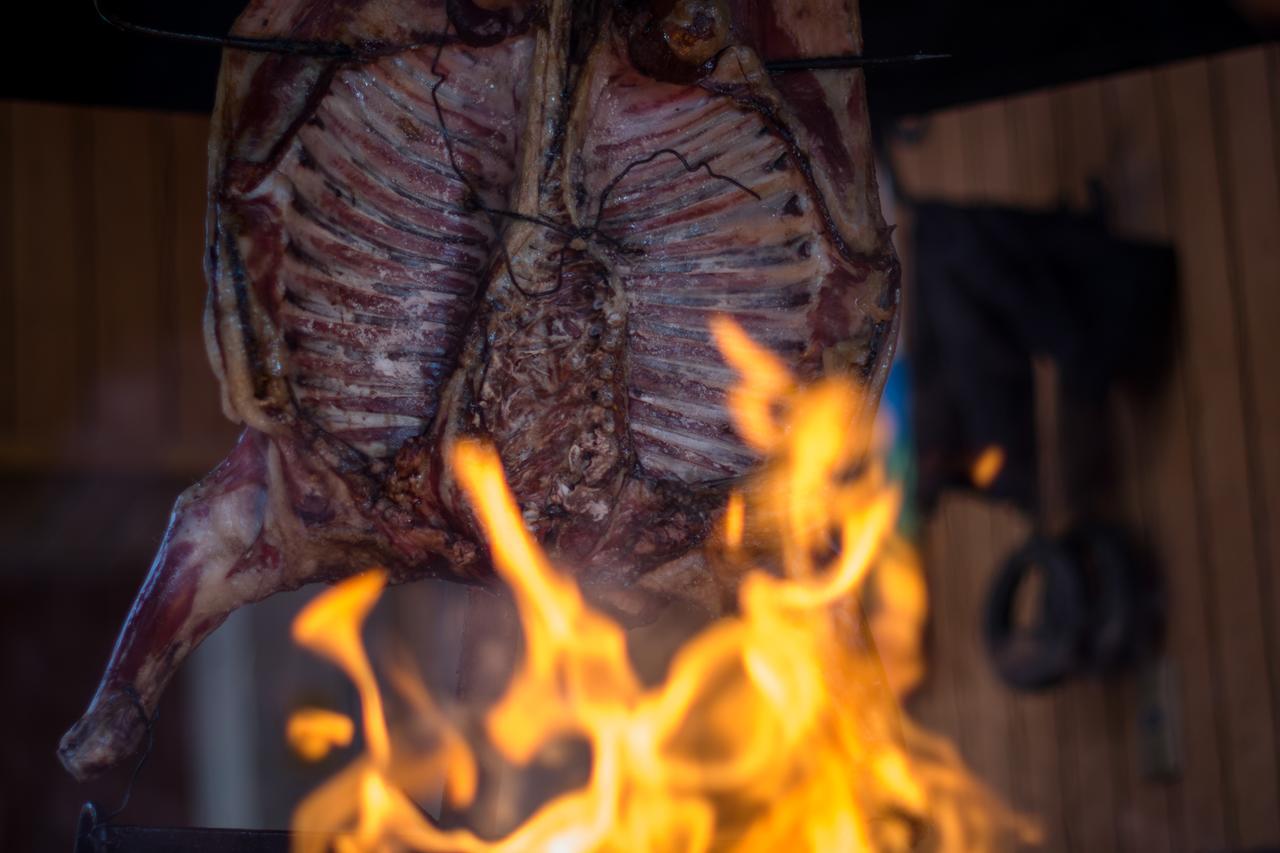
(512, 220)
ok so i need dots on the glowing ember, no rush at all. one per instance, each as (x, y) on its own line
(987, 467)
(776, 729)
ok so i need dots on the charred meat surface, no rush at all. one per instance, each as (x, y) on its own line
(510, 220)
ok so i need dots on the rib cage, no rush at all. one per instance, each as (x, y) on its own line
(383, 249)
(716, 229)
(363, 315)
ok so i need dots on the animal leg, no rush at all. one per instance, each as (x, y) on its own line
(197, 579)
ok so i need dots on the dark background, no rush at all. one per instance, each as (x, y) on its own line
(60, 51)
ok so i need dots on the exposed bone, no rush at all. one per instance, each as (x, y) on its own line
(511, 222)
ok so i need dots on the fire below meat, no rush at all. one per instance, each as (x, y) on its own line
(774, 729)
(575, 297)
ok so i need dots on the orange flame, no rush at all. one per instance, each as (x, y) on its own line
(987, 467)
(313, 732)
(898, 605)
(330, 627)
(775, 729)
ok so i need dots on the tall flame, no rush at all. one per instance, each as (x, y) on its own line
(775, 729)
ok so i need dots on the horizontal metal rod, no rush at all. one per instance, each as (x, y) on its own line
(344, 52)
(151, 839)
(96, 836)
(318, 49)
(844, 63)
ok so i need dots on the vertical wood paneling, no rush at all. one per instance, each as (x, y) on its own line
(990, 142)
(1034, 151)
(920, 169)
(954, 646)
(163, 142)
(1141, 815)
(1163, 459)
(984, 724)
(1146, 824)
(127, 405)
(1033, 730)
(982, 709)
(7, 272)
(201, 420)
(45, 200)
(983, 702)
(1034, 157)
(1247, 142)
(1092, 764)
(951, 180)
(1131, 173)
(1188, 155)
(989, 178)
(1221, 476)
(1273, 81)
(1085, 778)
(1052, 516)
(920, 165)
(102, 362)
(935, 702)
(910, 161)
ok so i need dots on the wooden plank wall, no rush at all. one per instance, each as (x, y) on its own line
(102, 365)
(1190, 155)
(107, 409)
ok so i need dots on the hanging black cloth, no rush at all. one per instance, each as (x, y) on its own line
(995, 287)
